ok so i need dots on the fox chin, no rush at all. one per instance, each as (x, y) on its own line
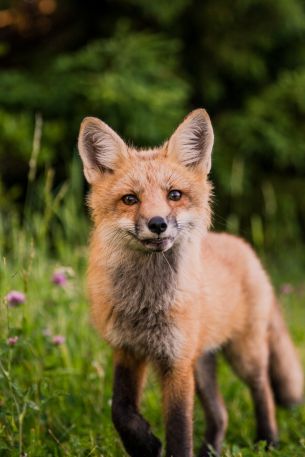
(166, 291)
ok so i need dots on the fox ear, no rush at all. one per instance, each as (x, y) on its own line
(99, 147)
(191, 144)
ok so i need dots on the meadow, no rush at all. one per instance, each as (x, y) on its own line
(56, 373)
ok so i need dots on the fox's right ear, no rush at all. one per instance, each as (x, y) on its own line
(99, 147)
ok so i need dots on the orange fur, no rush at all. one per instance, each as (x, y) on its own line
(222, 296)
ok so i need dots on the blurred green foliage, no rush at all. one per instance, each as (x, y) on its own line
(141, 66)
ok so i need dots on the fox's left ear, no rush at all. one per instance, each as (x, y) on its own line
(191, 144)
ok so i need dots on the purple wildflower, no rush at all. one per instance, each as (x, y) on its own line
(57, 340)
(12, 340)
(287, 289)
(15, 298)
(59, 278)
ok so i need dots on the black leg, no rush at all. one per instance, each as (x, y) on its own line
(249, 358)
(264, 411)
(134, 431)
(178, 397)
(213, 405)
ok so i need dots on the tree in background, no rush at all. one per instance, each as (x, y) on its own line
(141, 66)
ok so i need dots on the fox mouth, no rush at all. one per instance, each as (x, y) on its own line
(154, 244)
(157, 244)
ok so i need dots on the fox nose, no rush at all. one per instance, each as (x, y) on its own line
(157, 225)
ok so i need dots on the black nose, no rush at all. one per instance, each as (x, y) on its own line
(157, 225)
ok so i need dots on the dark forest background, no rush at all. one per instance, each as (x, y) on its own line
(141, 66)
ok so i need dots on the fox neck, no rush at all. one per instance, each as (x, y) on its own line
(149, 279)
(144, 287)
(145, 280)
(144, 292)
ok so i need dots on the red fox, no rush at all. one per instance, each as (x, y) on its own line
(164, 291)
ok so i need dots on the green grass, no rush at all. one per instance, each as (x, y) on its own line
(55, 400)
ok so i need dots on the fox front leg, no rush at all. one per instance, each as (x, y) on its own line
(178, 398)
(134, 431)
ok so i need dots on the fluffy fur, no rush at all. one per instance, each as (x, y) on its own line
(173, 299)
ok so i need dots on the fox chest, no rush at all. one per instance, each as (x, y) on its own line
(143, 294)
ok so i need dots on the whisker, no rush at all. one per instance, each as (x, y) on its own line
(168, 263)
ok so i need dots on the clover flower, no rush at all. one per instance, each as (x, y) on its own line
(59, 278)
(12, 340)
(287, 289)
(57, 340)
(15, 298)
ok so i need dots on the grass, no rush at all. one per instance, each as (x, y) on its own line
(55, 399)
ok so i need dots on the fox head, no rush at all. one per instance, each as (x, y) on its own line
(148, 199)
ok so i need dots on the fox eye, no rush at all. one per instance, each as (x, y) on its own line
(130, 199)
(175, 195)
